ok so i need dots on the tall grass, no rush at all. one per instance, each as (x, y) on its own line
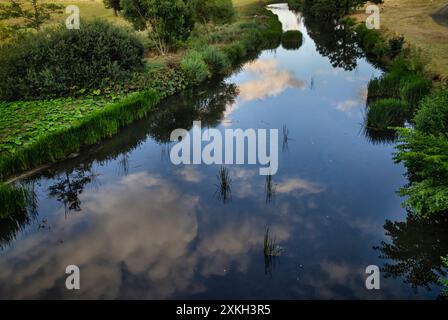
(292, 40)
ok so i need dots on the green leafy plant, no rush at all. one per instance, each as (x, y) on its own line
(194, 67)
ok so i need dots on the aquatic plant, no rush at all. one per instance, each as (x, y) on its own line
(224, 185)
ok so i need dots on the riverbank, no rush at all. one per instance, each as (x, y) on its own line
(39, 132)
(413, 19)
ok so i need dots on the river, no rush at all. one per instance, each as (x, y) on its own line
(139, 226)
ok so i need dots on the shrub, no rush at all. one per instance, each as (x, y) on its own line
(386, 113)
(194, 67)
(432, 116)
(53, 62)
(235, 51)
(292, 40)
(395, 46)
(217, 61)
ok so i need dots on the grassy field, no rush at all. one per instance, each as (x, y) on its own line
(412, 18)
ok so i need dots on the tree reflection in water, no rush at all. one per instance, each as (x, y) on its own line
(71, 185)
(336, 43)
(416, 250)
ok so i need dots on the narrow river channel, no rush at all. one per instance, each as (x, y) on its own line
(139, 226)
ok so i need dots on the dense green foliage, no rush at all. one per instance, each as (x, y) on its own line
(56, 128)
(432, 116)
(292, 40)
(14, 201)
(213, 11)
(218, 63)
(58, 61)
(328, 10)
(90, 129)
(114, 5)
(426, 159)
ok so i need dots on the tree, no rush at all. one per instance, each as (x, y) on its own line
(213, 11)
(168, 21)
(34, 17)
(113, 4)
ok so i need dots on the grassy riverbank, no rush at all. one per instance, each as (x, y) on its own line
(413, 19)
(38, 132)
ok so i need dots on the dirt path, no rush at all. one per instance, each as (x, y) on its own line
(414, 20)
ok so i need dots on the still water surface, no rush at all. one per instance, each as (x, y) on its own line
(141, 227)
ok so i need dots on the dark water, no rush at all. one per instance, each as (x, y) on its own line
(141, 227)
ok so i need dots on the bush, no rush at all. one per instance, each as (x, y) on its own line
(395, 46)
(432, 116)
(217, 61)
(413, 89)
(386, 113)
(426, 159)
(53, 62)
(292, 40)
(194, 67)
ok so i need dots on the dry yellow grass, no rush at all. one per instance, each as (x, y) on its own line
(412, 18)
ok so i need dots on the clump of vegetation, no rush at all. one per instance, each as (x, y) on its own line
(395, 46)
(224, 185)
(292, 40)
(386, 113)
(432, 115)
(213, 11)
(426, 159)
(194, 67)
(56, 62)
(33, 13)
(270, 247)
(403, 81)
(15, 201)
(413, 89)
